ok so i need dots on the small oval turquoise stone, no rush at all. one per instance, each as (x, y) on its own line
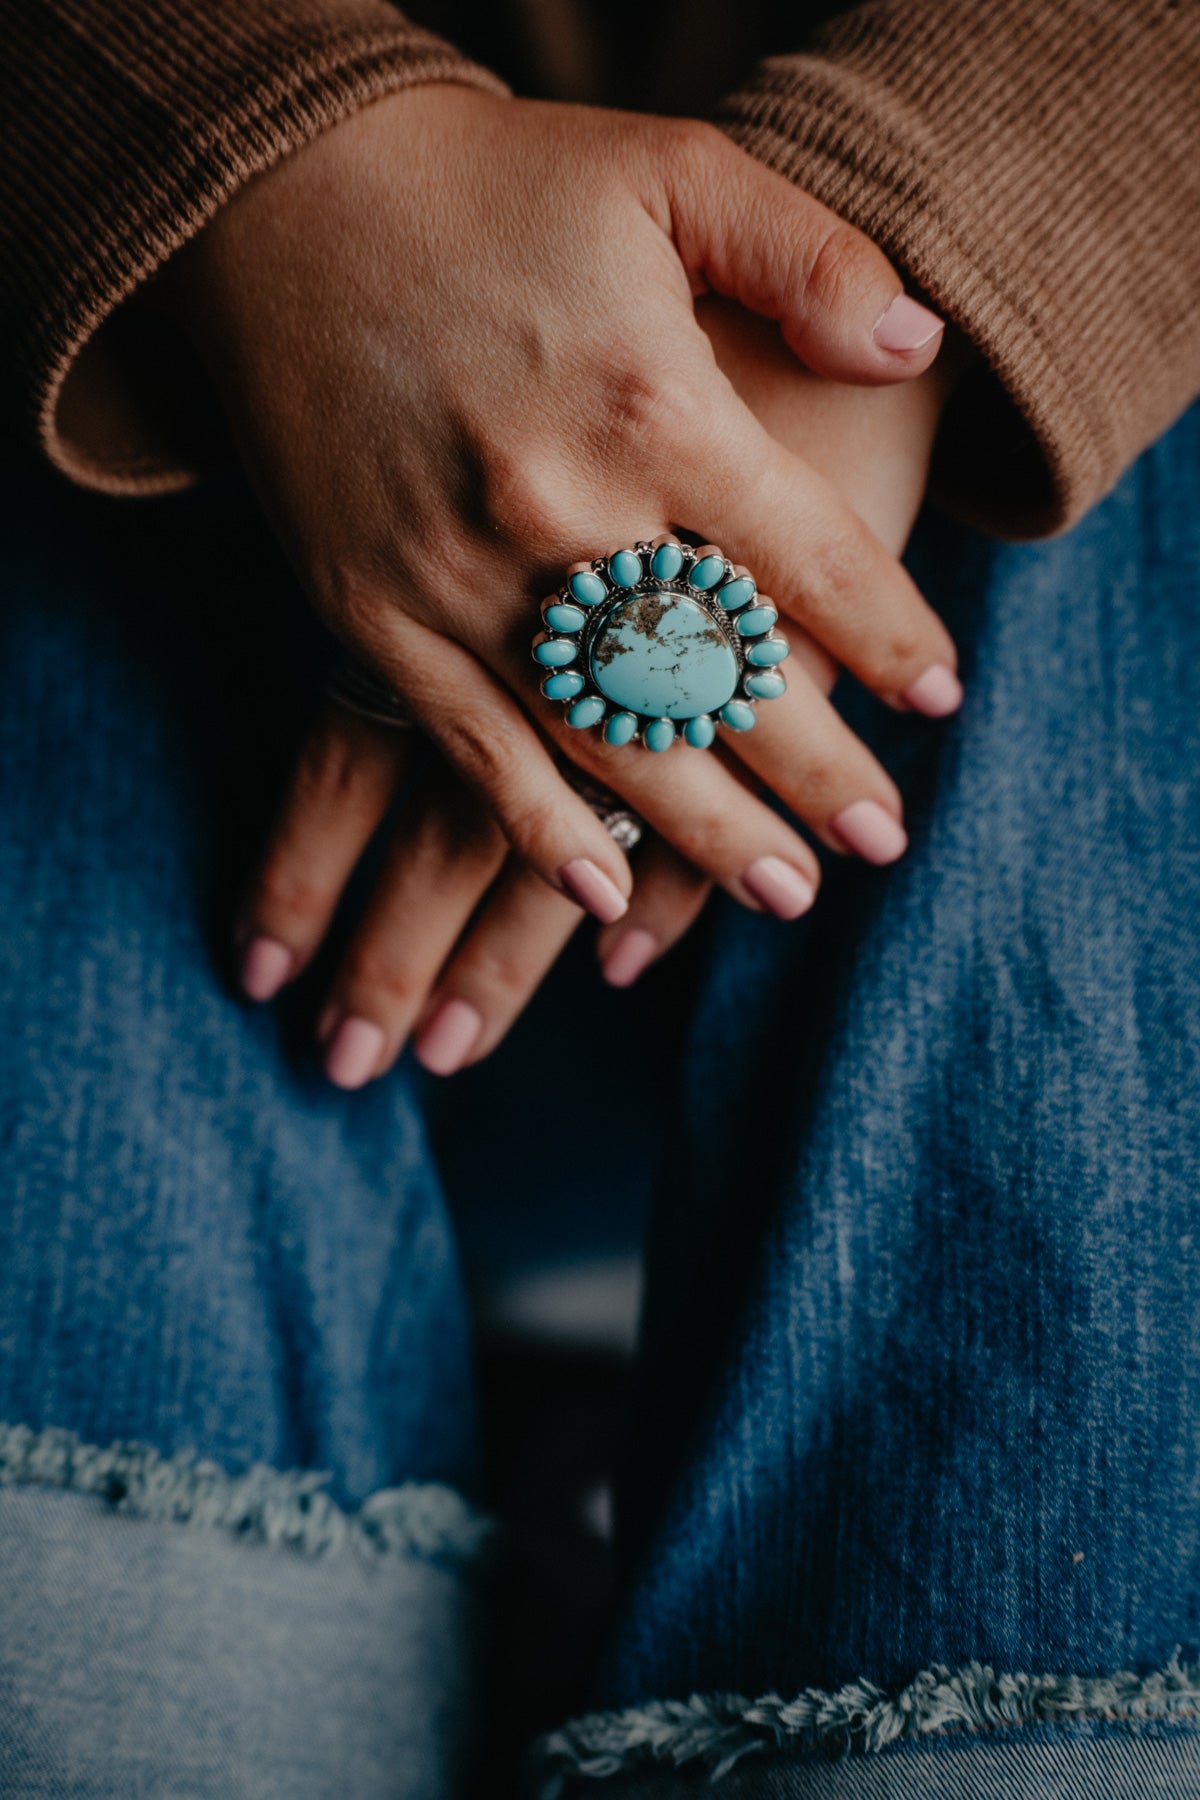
(769, 652)
(664, 656)
(736, 593)
(620, 728)
(585, 712)
(766, 686)
(755, 620)
(563, 686)
(587, 588)
(555, 653)
(666, 562)
(660, 734)
(707, 572)
(737, 715)
(625, 568)
(700, 732)
(563, 617)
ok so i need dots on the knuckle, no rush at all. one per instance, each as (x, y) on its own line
(700, 834)
(839, 268)
(904, 650)
(338, 782)
(371, 971)
(531, 822)
(694, 140)
(841, 569)
(448, 565)
(287, 891)
(525, 500)
(649, 415)
(351, 595)
(485, 751)
(501, 976)
(327, 773)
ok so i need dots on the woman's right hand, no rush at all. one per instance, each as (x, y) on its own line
(457, 343)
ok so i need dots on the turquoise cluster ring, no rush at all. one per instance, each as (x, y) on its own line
(660, 642)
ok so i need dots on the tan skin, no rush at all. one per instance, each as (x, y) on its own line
(431, 460)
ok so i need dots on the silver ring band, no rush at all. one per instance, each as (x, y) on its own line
(355, 688)
(360, 692)
(622, 824)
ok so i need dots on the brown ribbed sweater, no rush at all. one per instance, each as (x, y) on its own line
(1033, 164)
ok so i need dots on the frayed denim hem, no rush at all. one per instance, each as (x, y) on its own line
(286, 1508)
(168, 1628)
(713, 1734)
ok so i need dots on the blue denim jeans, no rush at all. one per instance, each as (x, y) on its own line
(911, 1502)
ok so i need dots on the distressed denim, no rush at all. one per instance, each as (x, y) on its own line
(910, 1505)
(920, 1382)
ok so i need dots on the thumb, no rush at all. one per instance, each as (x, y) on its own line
(748, 233)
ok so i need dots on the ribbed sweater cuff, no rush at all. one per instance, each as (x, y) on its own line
(127, 126)
(1036, 170)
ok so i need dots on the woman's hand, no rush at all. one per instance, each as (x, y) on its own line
(459, 933)
(457, 344)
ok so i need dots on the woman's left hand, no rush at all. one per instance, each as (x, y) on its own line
(459, 932)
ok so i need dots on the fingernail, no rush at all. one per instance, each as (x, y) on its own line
(449, 1037)
(780, 888)
(593, 889)
(632, 953)
(353, 1054)
(870, 830)
(936, 693)
(907, 325)
(266, 965)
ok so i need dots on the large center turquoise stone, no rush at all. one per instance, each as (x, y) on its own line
(662, 655)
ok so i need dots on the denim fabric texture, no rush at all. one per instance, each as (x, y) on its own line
(207, 1255)
(919, 1377)
(920, 1381)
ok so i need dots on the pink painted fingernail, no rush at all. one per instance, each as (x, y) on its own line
(907, 325)
(936, 693)
(353, 1053)
(449, 1037)
(266, 965)
(780, 888)
(593, 889)
(632, 953)
(871, 832)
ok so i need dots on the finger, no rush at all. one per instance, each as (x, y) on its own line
(752, 235)
(489, 741)
(668, 897)
(344, 782)
(503, 959)
(807, 754)
(706, 810)
(823, 567)
(444, 857)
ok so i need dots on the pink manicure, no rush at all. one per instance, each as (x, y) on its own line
(871, 832)
(907, 325)
(266, 965)
(449, 1037)
(593, 889)
(935, 693)
(780, 888)
(354, 1052)
(629, 956)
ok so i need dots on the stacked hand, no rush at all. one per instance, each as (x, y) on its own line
(458, 342)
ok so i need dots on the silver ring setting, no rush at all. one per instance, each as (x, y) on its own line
(659, 642)
(622, 824)
(352, 686)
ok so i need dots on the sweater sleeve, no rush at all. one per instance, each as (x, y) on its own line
(1035, 167)
(124, 125)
